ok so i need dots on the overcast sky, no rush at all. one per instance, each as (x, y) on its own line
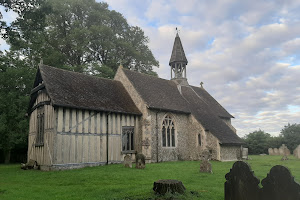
(246, 52)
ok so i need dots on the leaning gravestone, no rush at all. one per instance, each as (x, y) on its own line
(205, 165)
(140, 161)
(241, 184)
(271, 151)
(127, 161)
(284, 151)
(297, 152)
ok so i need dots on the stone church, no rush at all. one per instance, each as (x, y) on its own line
(78, 120)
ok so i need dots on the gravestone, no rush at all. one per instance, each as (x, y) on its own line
(280, 185)
(276, 152)
(128, 161)
(245, 154)
(205, 165)
(140, 161)
(297, 152)
(271, 151)
(241, 184)
(284, 151)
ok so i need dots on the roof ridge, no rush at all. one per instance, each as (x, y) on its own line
(79, 73)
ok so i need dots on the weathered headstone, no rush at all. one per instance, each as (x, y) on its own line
(128, 161)
(276, 152)
(296, 152)
(205, 165)
(140, 161)
(241, 184)
(284, 151)
(271, 151)
(162, 187)
(279, 184)
(245, 154)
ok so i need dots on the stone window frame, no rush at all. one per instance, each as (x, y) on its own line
(40, 126)
(168, 123)
(128, 138)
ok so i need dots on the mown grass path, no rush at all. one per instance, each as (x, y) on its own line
(117, 182)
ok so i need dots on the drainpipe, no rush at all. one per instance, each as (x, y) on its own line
(107, 137)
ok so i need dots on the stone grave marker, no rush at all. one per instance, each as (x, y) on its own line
(280, 185)
(128, 161)
(205, 165)
(296, 152)
(245, 154)
(140, 161)
(276, 152)
(241, 184)
(271, 151)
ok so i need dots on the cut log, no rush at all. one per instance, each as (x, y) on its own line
(162, 187)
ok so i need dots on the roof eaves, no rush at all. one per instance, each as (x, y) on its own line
(95, 109)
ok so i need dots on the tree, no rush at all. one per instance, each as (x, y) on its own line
(16, 77)
(291, 136)
(83, 36)
(257, 142)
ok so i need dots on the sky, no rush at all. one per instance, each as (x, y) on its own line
(247, 53)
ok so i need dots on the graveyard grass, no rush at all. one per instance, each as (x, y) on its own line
(117, 182)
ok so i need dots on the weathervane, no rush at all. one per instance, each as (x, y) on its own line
(177, 30)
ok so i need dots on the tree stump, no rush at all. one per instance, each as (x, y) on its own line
(162, 187)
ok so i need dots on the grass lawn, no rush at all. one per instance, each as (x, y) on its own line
(117, 182)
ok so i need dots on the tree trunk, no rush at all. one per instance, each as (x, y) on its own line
(6, 156)
(162, 187)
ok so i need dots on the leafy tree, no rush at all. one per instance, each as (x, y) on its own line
(80, 35)
(257, 142)
(16, 77)
(291, 136)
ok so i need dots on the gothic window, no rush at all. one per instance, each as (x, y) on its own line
(40, 126)
(127, 138)
(168, 132)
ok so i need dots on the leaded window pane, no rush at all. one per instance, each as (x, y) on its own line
(168, 132)
(128, 138)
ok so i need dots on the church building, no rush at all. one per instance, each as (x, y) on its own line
(78, 120)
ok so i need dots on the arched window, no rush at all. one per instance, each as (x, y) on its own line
(168, 132)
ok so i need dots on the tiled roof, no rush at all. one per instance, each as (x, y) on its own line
(164, 95)
(77, 90)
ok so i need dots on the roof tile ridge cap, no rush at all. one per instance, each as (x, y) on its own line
(216, 101)
(148, 105)
(79, 73)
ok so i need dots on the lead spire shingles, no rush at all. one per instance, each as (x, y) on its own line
(178, 54)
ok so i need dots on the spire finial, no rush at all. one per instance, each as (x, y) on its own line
(201, 84)
(177, 32)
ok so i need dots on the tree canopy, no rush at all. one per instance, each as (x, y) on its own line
(257, 142)
(82, 36)
(16, 77)
(291, 136)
